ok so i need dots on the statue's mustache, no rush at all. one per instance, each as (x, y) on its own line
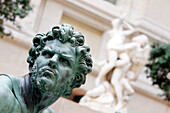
(46, 71)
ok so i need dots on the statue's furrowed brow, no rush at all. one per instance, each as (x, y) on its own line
(68, 57)
(47, 49)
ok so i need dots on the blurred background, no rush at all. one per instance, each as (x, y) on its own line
(92, 18)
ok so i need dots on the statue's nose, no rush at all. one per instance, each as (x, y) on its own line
(53, 61)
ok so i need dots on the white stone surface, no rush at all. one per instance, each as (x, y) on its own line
(13, 58)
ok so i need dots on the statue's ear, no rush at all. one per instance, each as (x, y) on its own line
(68, 92)
(79, 80)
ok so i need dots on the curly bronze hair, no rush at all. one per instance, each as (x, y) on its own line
(65, 34)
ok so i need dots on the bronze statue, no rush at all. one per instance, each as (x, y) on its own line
(58, 62)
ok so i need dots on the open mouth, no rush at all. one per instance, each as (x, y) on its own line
(46, 72)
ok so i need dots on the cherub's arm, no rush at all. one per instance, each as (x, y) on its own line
(130, 29)
(125, 47)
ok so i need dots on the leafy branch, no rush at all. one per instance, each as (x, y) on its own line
(158, 68)
(10, 10)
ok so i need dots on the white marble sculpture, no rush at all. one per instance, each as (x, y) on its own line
(123, 65)
(118, 35)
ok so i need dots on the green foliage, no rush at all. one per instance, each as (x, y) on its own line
(159, 67)
(10, 10)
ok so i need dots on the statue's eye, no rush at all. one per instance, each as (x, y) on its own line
(47, 54)
(64, 61)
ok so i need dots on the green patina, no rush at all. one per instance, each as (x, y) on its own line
(58, 62)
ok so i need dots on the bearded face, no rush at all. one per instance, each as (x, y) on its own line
(53, 70)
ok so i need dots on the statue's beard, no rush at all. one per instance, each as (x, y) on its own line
(42, 80)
